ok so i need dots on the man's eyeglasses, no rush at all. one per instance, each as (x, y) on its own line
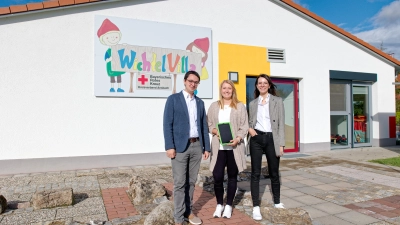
(193, 82)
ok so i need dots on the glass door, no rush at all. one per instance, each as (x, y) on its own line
(340, 111)
(288, 91)
(361, 115)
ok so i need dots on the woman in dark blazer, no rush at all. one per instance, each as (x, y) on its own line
(267, 131)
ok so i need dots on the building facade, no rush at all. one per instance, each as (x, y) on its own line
(59, 112)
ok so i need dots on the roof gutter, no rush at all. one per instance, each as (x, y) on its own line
(98, 2)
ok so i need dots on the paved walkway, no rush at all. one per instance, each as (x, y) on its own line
(204, 206)
(337, 187)
(117, 203)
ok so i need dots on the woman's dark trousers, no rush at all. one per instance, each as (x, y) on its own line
(226, 159)
(264, 144)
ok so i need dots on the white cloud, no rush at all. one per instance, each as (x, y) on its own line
(386, 29)
(302, 4)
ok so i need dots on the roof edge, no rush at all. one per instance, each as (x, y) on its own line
(17, 10)
(340, 31)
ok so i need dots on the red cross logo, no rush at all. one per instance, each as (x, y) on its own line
(143, 79)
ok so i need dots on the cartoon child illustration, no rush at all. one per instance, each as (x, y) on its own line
(110, 35)
(201, 45)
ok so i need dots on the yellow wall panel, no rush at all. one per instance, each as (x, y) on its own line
(244, 59)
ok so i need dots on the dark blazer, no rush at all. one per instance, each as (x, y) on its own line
(277, 117)
(177, 125)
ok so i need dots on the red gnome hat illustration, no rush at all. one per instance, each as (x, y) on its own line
(203, 44)
(106, 26)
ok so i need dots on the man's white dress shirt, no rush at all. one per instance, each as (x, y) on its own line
(192, 110)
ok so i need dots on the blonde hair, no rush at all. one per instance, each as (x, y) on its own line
(234, 101)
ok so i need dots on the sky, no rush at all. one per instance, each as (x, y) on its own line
(6, 3)
(375, 21)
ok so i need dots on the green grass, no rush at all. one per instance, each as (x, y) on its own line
(395, 161)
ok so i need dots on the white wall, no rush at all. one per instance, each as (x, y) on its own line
(47, 105)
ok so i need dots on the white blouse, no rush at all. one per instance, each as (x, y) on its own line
(263, 119)
(224, 116)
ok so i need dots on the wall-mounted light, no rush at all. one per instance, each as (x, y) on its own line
(233, 76)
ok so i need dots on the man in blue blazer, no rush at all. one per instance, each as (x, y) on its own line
(186, 140)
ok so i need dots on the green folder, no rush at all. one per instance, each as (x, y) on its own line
(225, 133)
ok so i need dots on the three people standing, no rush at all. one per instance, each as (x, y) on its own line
(186, 140)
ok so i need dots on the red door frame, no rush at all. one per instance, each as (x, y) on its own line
(296, 109)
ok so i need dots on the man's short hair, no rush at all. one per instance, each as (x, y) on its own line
(191, 72)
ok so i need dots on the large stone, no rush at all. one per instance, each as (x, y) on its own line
(162, 214)
(3, 204)
(51, 199)
(145, 209)
(144, 191)
(160, 200)
(246, 199)
(286, 216)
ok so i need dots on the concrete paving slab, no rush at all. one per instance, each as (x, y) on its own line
(331, 220)
(343, 185)
(356, 218)
(284, 188)
(310, 182)
(311, 176)
(331, 208)
(308, 190)
(327, 187)
(21, 175)
(293, 184)
(292, 172)
(291, 193)
(290, 203)
(325, 180)
(309, 200)
(295, 177)
(313, 212)
(363, 175)
(243, 185)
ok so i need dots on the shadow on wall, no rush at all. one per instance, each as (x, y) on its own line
(68, 10)
(383, 128)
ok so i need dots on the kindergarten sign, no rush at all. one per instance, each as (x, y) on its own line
(152, 62)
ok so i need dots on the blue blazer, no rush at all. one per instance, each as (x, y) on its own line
(177, 125)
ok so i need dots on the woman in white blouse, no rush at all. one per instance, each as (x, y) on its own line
(267, 130)
(231, 156)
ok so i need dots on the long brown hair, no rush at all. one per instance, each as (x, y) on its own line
(272, 86)
(234, 101)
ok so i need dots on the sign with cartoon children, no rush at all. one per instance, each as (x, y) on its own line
(137, 58)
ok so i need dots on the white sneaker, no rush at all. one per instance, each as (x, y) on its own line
(257, 213)
(218, 211)
(279, 206)
(227, 212)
